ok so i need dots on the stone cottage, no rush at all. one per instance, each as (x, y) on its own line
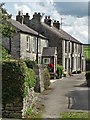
(69, 50)
(24, 42)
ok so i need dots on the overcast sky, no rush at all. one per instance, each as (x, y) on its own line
(74, 14)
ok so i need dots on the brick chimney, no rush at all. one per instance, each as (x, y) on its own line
(19, 17)
(47, 20)
(37, 17)
(56, 24)
(26, 19)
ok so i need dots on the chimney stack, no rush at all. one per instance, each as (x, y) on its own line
(26, 19)
(47, 20)
(56, 24)
(37, 16)
(19, 17)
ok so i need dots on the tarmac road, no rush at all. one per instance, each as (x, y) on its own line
(68, 94)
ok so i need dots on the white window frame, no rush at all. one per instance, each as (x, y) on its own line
(39, 45)
(27, 43)
(48, 60)
(34, 42)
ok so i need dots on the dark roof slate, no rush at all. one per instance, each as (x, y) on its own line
(61, 33)
(48, 51)
(24, 28)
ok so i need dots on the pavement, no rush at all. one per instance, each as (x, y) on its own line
(67, 94)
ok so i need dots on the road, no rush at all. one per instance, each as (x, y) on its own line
(67, 94)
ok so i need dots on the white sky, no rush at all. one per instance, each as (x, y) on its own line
(76, 26)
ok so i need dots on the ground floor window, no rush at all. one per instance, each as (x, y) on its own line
(46, 60)
(65, 63)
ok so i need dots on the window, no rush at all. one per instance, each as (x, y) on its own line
(39, 45)
(72, 47)
(27, 43)
(33, 44)
(65, 46)
(46, 60)
(75, 47)
(69, 46)
(65, 63)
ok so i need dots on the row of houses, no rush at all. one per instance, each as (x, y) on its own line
(34, 35)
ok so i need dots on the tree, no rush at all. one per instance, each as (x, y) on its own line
(6, 27)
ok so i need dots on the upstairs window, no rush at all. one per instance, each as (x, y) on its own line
(39, 45)
(69, 47)
(34, 44)
(72, 47)
(27, 43)
(65, 46)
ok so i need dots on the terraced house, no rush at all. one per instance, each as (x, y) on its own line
(69, 50)
(24, 42)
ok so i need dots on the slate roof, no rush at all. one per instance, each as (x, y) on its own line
(24, 28)
(61, 33)
(53, 30)
(48, 51)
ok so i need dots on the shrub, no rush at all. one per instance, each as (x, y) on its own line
(59, 71)
(13, 75)
(30, 63)
(4, 54)
(88, 78)
(30, 113)
(16, 79)
(46, 78)
(30, 80)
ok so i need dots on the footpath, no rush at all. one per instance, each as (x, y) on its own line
(66, 95)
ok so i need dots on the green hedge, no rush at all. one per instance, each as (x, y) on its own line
(59, 71)
(12, 80)
(4, 54)
(29, 63)
(16, 78)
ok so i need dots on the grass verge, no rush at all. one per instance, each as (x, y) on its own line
(75, 116)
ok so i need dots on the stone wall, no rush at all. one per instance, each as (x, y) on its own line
(39, 69)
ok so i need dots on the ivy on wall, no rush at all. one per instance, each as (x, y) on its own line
(16, 78)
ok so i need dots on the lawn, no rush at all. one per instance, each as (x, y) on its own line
(75, 116)
(87, 51)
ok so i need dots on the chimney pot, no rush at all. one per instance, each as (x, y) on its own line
(27, 14)
(39, 13)
(19, 13)
(48, 17)
(35, 13)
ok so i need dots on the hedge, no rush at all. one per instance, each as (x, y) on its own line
(16, 78)
(29, 63)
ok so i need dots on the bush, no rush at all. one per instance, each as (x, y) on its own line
(30, 63)
(46, 77)
(88, 78)
(4, 54)
(30, 113)
(59, 71)
(13, 75)
(30, 80)
(16, 79)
